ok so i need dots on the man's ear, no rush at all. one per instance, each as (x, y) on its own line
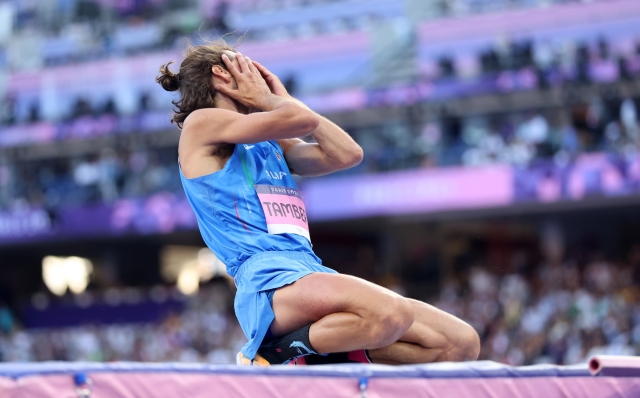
(221, 73)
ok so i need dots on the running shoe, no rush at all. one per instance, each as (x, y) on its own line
(242, 359)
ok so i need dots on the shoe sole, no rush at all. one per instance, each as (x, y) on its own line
(242, 360)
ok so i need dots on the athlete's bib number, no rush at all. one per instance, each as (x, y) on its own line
(284, 210)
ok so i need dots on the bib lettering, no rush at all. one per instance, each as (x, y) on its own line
(284, 210)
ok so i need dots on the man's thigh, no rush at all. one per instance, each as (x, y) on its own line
(318, 295)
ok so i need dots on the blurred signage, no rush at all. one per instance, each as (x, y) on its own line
(590, 175)
(61, 315)
(408, 192)
(24, 223)
(160, 213)
(84, 128)
(596, 175)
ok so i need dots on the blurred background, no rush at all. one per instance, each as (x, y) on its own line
(501, 179)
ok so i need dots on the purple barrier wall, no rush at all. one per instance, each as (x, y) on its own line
(504, 82)
(474, 379)
(86, 127)
(141, 70)
(338, 101)
(596, 175)
(590, 175)
(161, 213)
(408, 192)
(525, 20)
(58, 315)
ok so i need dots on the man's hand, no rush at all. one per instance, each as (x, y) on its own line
(275, 85)
(334, 149)
(252, 91)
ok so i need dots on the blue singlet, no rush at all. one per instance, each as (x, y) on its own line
(252, 217)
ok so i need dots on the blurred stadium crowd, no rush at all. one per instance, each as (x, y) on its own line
(561, 310)
(83, 30)
(545, 307)
(101, 178)
(562, 313)
(205, 331)
(519, 139)
(65, 31)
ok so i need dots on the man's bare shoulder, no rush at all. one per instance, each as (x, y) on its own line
(208, 126)
(208, 117)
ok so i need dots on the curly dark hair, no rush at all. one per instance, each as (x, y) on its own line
(194, 79)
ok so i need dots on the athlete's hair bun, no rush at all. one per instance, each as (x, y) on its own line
(167, 79)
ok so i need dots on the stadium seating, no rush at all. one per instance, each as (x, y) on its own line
(552, 317)
(519, 111)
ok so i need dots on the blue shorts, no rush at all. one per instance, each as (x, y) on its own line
(257, 279)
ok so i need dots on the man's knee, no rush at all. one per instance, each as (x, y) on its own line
(390, 322)
(465, 347)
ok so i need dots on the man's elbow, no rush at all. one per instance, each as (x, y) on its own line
(353, 157)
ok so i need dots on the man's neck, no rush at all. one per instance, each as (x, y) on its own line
(222, 101)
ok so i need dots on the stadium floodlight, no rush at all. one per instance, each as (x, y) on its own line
(188, 266)
(209, 265)
(60, 273)
(188, 281)
(53, 275)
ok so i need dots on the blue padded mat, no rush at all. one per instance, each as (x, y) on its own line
(479, 369)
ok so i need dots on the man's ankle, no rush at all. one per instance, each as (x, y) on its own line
(283, 349)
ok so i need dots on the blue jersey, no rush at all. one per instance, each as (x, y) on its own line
(252, 216)
(250, 206)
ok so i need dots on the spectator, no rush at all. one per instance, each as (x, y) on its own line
(86, 176)
(8, 110)
(108, 169)
(7, 323)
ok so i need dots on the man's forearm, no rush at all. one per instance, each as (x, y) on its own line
(274, 102)
(324, 123)
(300, 103)
(334, 141)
